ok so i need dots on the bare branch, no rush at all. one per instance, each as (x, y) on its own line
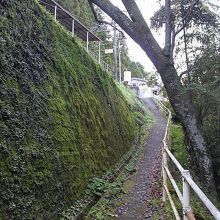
(180, 29)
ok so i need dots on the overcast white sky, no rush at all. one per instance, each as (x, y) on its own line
(147, 7)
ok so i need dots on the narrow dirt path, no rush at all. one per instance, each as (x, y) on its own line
(143, 200)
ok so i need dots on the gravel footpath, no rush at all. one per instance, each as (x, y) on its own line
(142, 198)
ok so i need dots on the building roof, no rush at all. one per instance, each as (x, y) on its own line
(139, 79)
(66, 19)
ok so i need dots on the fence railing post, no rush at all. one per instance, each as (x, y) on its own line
(99, 56)
(87, 41)
(169, 130)
(164, 164)
(186, 195)
(73, 28)
(55, 12)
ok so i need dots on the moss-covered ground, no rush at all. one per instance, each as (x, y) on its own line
(62, 118)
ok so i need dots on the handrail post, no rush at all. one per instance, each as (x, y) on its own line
(55, 12)
(186, 195)
(164, 164)
(169, 128)
(99, 58)
(73, 28)
(87, 41)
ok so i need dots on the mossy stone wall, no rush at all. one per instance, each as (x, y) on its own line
(62, 118)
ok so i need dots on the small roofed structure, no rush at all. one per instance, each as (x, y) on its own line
(138, 82)
(69, 21)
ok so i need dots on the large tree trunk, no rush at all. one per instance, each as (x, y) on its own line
(136, 27)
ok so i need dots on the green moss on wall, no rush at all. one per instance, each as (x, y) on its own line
(62, 118)
(80, 9)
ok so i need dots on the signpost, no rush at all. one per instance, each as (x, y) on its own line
(108, 51)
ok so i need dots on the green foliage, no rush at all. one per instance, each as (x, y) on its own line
(200, 15)
(205, 92)
(141, 114)
(181, 153)
(105, 208)
(130, 168)
(101, 213)
(80, 9)
(105, 181)
(179, 148)
(98, 186)
(62, 118)
(158, 18)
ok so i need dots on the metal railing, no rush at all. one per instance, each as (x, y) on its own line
(107, 67)
(187, 181)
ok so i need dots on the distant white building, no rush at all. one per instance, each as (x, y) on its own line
(139, 86)
(138, 82)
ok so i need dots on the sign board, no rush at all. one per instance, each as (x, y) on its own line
(127, 77)
(107, 51)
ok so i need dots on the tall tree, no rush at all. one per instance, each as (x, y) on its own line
(137, 28)
(204, 86)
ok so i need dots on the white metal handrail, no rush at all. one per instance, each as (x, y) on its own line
(188, 182)
(108, 68)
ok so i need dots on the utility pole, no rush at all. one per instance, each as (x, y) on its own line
(115, 53)
(119, 60)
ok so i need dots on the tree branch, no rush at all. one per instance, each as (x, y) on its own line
(189, 10)
(184, 23)
(184, 20)
(103, 21)
(180, 29)
(111, 10)
(173, 44)
(138, 31)
(133, 11)
(183, 73)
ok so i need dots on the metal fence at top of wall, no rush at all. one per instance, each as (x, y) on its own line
(187, 181)
(76, 28)
(107, 67)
